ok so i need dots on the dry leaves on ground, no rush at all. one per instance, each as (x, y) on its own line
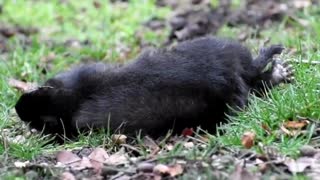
(173, 171)
(296, 124)
(293, 128)
(96, 160)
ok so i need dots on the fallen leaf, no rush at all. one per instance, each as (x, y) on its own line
(84, 163)
(97, 166)
(97, 157)
(290, 132)
(67, 157)
(299, 165)
(161, 169)
(99, 154)
(67, 176)
(175, 170)
(296, 124)
(22, 86)
(119, 138)
(248, 139)
(117, 158)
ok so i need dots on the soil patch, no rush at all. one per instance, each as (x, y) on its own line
(196, 18)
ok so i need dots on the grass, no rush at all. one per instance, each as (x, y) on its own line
(110, 26)
(300, 99)
(105, 27)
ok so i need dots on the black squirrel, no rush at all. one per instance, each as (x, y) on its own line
(192, 84)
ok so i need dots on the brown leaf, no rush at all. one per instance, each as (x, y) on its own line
(67, 157)
(97, 166)
(290, 132)
(73, 161)
(241, 173)
(99, 154)
(173, 171)
(248, 139)
(67, 176)
(97, 157)
(84, 163)
(161, 169)
(22, 86)
(117, 158)
(119, 138)
(296, 124)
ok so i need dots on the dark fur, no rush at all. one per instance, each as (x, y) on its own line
(189, 85)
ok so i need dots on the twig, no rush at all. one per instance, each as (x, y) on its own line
(131, 148)
(198, 140)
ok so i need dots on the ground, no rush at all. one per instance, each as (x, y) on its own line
(276, 136)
